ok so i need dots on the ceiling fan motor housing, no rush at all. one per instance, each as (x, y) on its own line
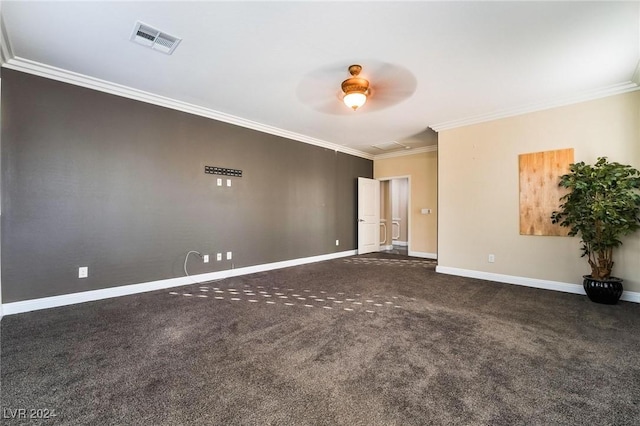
(355, 83)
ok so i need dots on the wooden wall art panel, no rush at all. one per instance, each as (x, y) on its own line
(539, 191)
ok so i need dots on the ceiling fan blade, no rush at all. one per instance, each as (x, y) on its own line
(391, 84)
(320, 90)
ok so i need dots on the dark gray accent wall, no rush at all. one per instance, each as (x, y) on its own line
(92, 179)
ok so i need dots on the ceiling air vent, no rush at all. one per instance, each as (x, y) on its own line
(391, 146)
(148, 36)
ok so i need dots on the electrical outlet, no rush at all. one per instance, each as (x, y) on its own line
(219, 181)
(228, 255)
(219, 257)
(83, 272)
(337, 242)
(492, 258)
(205, 258)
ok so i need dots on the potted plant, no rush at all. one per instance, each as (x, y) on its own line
(602, 205)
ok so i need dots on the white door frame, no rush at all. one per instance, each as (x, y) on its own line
(408, 177)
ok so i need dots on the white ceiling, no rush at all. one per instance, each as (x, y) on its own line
(278, 66)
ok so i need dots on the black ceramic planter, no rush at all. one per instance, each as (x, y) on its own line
(603, 291)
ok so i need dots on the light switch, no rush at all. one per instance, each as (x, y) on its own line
(229, 182)
(219, 181)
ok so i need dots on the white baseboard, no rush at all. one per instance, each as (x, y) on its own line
(629, 296)
(423, 254)
(387, 247)
(106, 293)
(400, 243)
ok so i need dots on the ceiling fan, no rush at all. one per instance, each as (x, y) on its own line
(378, 84)
(356, 89)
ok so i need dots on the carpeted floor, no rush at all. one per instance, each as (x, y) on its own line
(366, 340)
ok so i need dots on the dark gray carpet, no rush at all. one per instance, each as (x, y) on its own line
(401, 345)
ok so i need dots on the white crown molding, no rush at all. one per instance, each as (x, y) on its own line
(616, 89)
(107, 293)
(629, 296)
(406, 152)
(31, 67)
(5, 47)
(65, 76)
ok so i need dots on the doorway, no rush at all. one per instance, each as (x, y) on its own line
(394, 215)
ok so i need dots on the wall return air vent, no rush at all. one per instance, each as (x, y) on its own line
(148, 36)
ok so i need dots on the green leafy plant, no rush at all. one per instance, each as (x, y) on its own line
(602, 205)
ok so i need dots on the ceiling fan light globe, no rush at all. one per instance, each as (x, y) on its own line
(354, 100)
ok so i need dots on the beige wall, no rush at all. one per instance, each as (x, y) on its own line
(478, 188)
(423, 169)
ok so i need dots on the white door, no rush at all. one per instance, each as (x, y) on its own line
(368, 215)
